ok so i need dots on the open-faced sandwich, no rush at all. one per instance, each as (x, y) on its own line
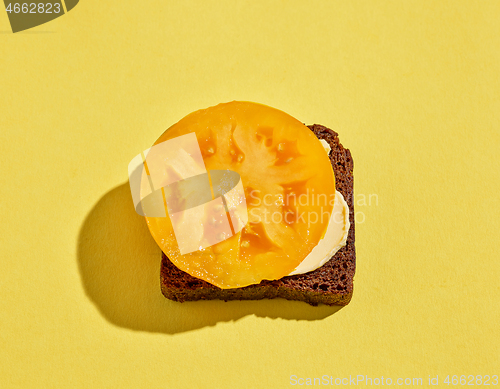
(255, 205)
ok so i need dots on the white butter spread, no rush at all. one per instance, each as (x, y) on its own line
(326, 146)
(335, 236)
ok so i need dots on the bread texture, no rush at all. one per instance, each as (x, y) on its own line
(331, 284)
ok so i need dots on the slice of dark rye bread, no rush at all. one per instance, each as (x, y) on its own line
(331, 284)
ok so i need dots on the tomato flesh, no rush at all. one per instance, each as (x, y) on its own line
(289, 188)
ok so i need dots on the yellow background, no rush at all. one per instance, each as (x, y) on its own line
(411, 86)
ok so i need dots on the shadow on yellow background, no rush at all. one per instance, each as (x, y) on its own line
(119, 264)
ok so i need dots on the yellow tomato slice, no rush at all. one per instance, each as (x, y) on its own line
(289, 187)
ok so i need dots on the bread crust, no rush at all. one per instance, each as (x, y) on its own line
(331, 284)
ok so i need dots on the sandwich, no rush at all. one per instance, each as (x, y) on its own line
(255, 205)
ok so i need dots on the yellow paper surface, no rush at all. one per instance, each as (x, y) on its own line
(412, 87)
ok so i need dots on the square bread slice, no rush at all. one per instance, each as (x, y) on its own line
(331, 284)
